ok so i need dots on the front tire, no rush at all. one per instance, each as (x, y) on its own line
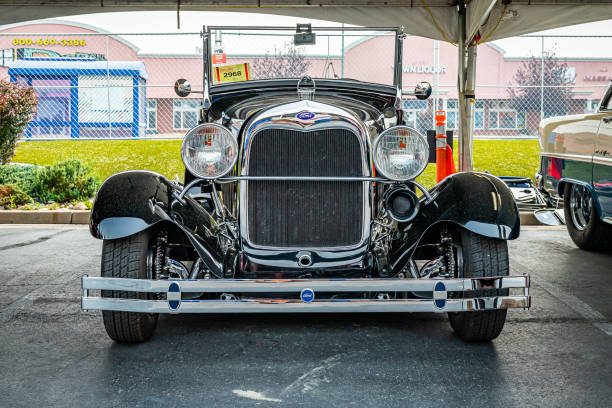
(127, 258)
(482, 257)
(584, 226)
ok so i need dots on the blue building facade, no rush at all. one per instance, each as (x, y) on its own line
(84, 98)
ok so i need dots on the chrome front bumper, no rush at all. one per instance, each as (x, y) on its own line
(307, 290)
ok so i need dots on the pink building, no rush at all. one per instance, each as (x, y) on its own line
(369, 59)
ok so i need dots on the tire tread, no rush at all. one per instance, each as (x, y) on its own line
(597, 236)
(483, 257)
(126, 258)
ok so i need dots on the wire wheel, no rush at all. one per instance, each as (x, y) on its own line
(580, 206)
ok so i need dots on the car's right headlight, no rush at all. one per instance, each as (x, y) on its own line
(400, 153)
(209, 151)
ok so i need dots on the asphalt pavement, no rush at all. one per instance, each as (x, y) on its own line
(52, 354)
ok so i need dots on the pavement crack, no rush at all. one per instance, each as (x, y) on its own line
(8, 312)
(32, 242)
(313, 378)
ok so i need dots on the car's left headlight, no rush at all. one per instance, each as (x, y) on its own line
(209, 151)
(400, 153)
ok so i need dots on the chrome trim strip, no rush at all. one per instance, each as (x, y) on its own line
(297, 306)
(297, 285)
(606, 161)
(85, 291)
(303, 178)
(569, 156)
(292, 28)
(283, 178)
(579, 157)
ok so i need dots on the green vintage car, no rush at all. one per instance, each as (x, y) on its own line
(576, 166)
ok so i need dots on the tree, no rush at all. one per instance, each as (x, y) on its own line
(17, 106)
(287, 62)
(557, 86)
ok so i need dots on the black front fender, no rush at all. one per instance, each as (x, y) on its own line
(133, 201)
(478, 202)
(123, 204)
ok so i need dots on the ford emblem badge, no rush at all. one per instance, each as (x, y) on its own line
(305, 115)
(307, 295)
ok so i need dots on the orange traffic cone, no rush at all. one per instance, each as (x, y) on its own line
(441, 155)
(445, 163)
(450, 161)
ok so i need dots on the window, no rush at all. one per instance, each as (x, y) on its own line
(591, 105)
(105, 99)
(411, 112)
(152, 115)
(6, 56)
(501, 116)
(479, 115)
(185, 114)
(54, 101)
(452, 114)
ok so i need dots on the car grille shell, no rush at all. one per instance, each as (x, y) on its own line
(309, 214)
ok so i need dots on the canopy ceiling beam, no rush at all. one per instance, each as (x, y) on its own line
(435, 19)
(171, 4)
(477, 15)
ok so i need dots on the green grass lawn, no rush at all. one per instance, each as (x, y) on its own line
(499, 157)
(519, 158)
(108, 157)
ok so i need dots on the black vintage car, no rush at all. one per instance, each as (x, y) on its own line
(300, 196)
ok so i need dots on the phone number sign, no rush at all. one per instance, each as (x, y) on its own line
(66, 42)
(232, 73)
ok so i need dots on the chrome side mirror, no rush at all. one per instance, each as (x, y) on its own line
(182, 87)
(422, 90)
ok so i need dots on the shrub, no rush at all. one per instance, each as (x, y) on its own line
(65, 181)
(17, 106)
(23, 176)
(11, 195)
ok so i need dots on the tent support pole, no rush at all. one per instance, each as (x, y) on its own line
(465, 86)
(467, 103)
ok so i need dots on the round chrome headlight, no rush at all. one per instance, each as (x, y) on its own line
(209, 151)
(400, 153)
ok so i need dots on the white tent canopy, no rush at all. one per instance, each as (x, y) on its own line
(436, 19)
(457, 21)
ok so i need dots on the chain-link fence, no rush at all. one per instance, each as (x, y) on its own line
(521, 81)
(120, 86)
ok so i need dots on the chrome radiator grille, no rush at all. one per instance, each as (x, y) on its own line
(310, 213)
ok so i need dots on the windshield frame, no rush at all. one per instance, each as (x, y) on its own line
(206, 35)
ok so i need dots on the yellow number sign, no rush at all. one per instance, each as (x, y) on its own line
(49, 41)
(232, 73)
